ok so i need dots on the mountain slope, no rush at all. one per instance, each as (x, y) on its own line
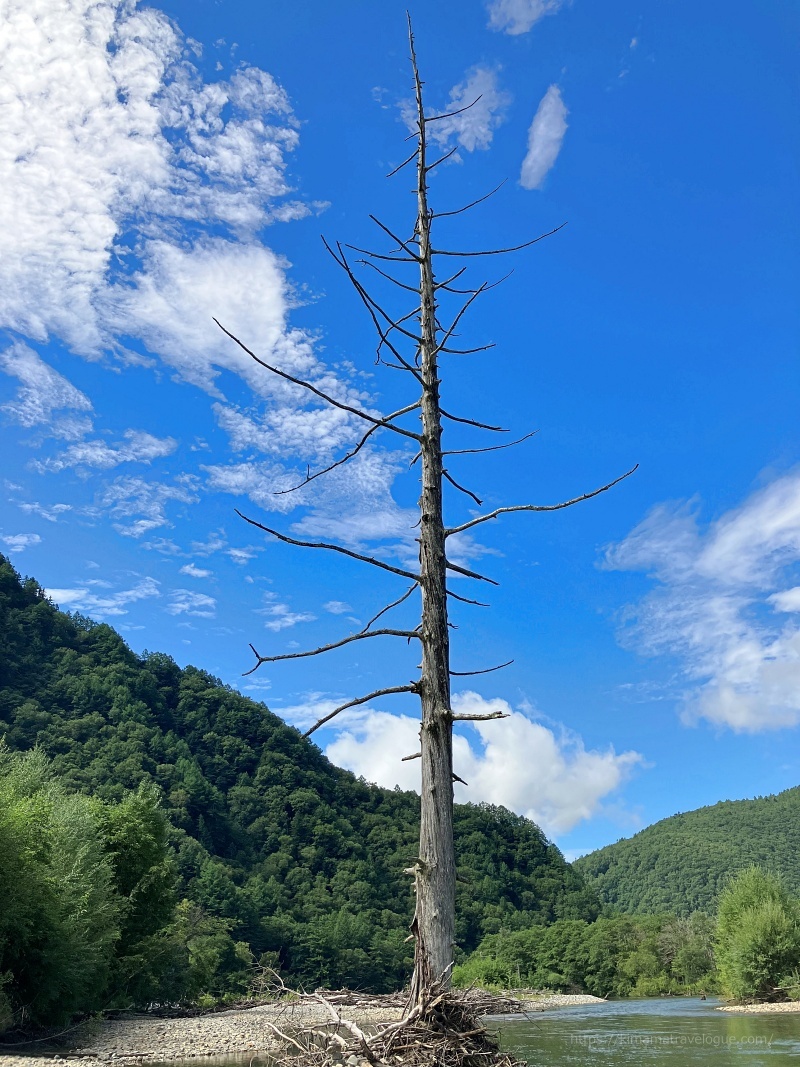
(303, 861)
(680, 864)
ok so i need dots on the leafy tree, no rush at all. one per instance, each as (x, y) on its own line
(758, 935)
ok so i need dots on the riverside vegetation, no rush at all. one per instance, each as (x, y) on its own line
(163, 837)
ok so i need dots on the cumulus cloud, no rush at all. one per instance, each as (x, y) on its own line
(548, 776)
(89, 601)
(19, 542)
(719, 604)
(518, 16)
(107, 126)
(545, 138)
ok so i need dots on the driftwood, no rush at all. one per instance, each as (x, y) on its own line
(445, 1030)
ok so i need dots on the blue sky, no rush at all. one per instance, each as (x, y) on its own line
(165, 164)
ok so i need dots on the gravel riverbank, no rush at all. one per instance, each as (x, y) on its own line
(243, 1032)
(763, 1009)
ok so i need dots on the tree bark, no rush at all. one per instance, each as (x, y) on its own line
(435, 876)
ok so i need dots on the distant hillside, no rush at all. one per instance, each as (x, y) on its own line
(300, 859)
(680, 864)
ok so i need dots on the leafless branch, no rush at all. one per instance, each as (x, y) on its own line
(362, 636)
(466, 600)
(457, 779)
(461, 489)
(539, 507)
(449, 333)
(405, 163)
(488, 286)
(394, 236)
(451, 114)
(500, 251)
(353, 452)
(385, 274)
(331, 548)
(441, 159)
(414, 755)
(489, 448)
(468, 351)
(487, 670)
(466, 207)
(472, 422)
(480, 718)
(379, 255)
(452, 278)
(412, 688)
(470, 574)
(389, 607)
(317, 392)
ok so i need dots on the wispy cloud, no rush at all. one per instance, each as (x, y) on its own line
(49, 512)
(86, 599)
(45, 399)
(140, 506)
(519, 16)
(482, 105)
(137, 447)
(719, 604)
(187, 602)
(545, 138)
(195, 572)
(519, 763)
(19, 542)
(279, 616)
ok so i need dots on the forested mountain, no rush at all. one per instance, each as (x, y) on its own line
(681, 864)
(276, 851)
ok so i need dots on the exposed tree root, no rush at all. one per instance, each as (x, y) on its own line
(442, 1031)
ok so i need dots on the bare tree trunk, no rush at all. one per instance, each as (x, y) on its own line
(434, 872)
(434, 921)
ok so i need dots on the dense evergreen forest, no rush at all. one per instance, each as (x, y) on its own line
(681, 864)
(205, 835)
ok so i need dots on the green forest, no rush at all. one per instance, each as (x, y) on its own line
(681, 864)
(165, 839)
(249, 846)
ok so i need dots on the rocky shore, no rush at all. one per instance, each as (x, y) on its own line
(763, 1009)
(244, 1033)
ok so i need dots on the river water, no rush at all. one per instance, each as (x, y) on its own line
(668, 1032)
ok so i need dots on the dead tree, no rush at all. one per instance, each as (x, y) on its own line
(434, 870)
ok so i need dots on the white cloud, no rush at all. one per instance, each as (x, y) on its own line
(44, 395)
(51, 512)
(279, 616)
(337, 607)
(187, 602)
(107, 126)
(19, 542)
(716, 602)
(474, 127)
(545, 138)
(195, 572)
(515, 762)
(143, 503)
(84, 599)
(788, 600)
(518, 16)
(138, 447)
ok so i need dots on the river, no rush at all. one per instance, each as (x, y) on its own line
(669, 1032)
